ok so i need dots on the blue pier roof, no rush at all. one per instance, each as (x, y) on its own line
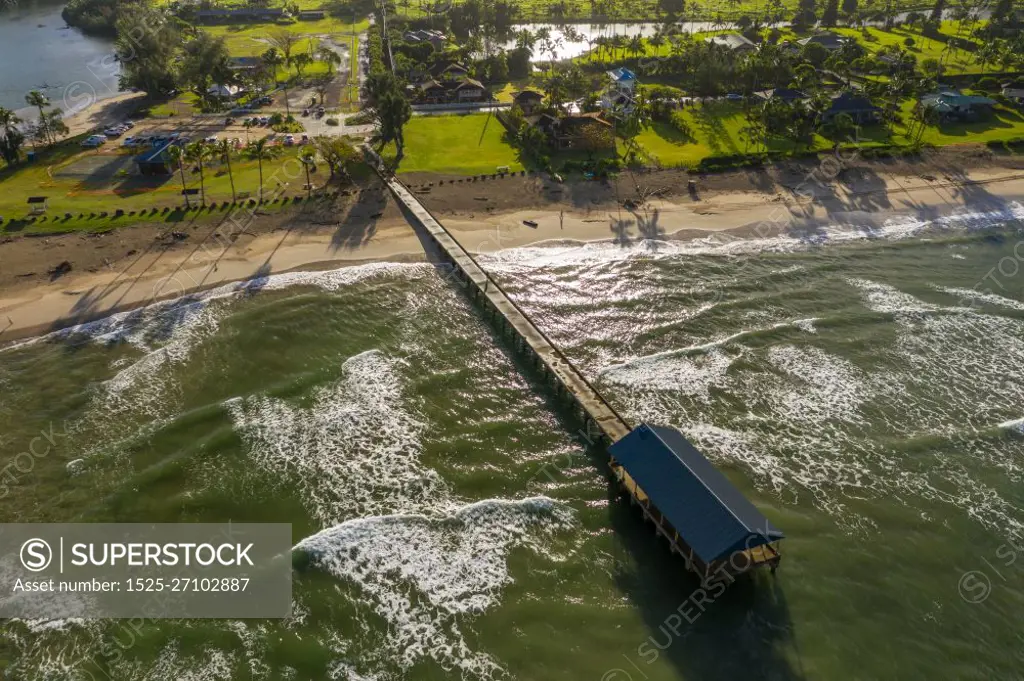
(710, 514)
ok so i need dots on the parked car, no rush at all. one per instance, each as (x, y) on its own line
(289, 140)
(128, 124)
(304, 140)
(130, 142)
(94, 141)
(264, 120)
(112, 132)
(733, 97)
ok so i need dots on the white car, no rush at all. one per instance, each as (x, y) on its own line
(94, 141)
(212, 139)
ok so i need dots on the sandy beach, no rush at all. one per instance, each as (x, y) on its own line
(135, 266)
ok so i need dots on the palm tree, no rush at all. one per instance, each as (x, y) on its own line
(636, 46)
(261, 150)
(273, 59)
(199, 153)
(308, 158)
(224, 149)
(247, 124)
(176, 155)
(38, 99)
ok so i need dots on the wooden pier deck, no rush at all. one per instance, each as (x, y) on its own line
(602, 421)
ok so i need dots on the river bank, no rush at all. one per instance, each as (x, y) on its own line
(135, 266)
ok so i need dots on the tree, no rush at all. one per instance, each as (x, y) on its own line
(176, 155)
(392, 113)
(284, 40)
(261, 151)
(338, 153)
(838, 129)
(831, 14)
(223, 149)
(147, 46)
(199, 153)
(273, 60)
(849, 8)
(301, 61)
(205, 62)
(38, 99)
(11, 138)
(329, 57)
(937, 9)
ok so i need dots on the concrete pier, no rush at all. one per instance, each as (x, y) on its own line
(603, 423)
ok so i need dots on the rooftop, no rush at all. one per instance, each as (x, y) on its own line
(733, 41)
(710, 514)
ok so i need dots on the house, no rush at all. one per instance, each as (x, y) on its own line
(224, 91)
(827, 39)
(856, 106)
(618, 94)
(952, 105)
(469, 90)
(784, 94)
(464, 89)
(1014, 94)
(733, 41)
(435, 38)
(448, 70)
(527, 100)
(244, 63)
(312, 14)
(585, 131)
(155, 161)
(212, 16)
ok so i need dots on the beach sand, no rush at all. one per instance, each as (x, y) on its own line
(138, 265)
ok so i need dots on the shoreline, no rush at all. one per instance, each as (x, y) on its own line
(164, 270)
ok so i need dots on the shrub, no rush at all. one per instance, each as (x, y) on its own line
(332, 121)
(908, 41)
(988, 84)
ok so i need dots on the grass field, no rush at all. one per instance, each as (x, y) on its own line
(83, 183)
(715, 131)
(464, 145)
(250, 40)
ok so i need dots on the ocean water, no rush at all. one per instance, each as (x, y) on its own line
(865, 390)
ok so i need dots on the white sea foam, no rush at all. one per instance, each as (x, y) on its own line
(974, 297)
(354, 451)
(425, 575)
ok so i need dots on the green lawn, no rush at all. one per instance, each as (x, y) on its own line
(250, 40)
(457, 144)
(101, 191)
(715, 131)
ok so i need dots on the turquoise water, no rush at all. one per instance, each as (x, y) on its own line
(860, 391)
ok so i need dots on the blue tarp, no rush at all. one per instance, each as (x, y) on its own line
(710, 514)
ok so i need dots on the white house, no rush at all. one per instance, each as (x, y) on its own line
(618, 95)
(224, 91)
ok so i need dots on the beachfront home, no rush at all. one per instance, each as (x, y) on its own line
(857, 106)
(733, 41)
(952, 105)
(582, 131)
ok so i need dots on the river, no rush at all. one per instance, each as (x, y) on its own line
(39, 52)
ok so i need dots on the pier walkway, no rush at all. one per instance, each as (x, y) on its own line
(706, 520)
(602, 421)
